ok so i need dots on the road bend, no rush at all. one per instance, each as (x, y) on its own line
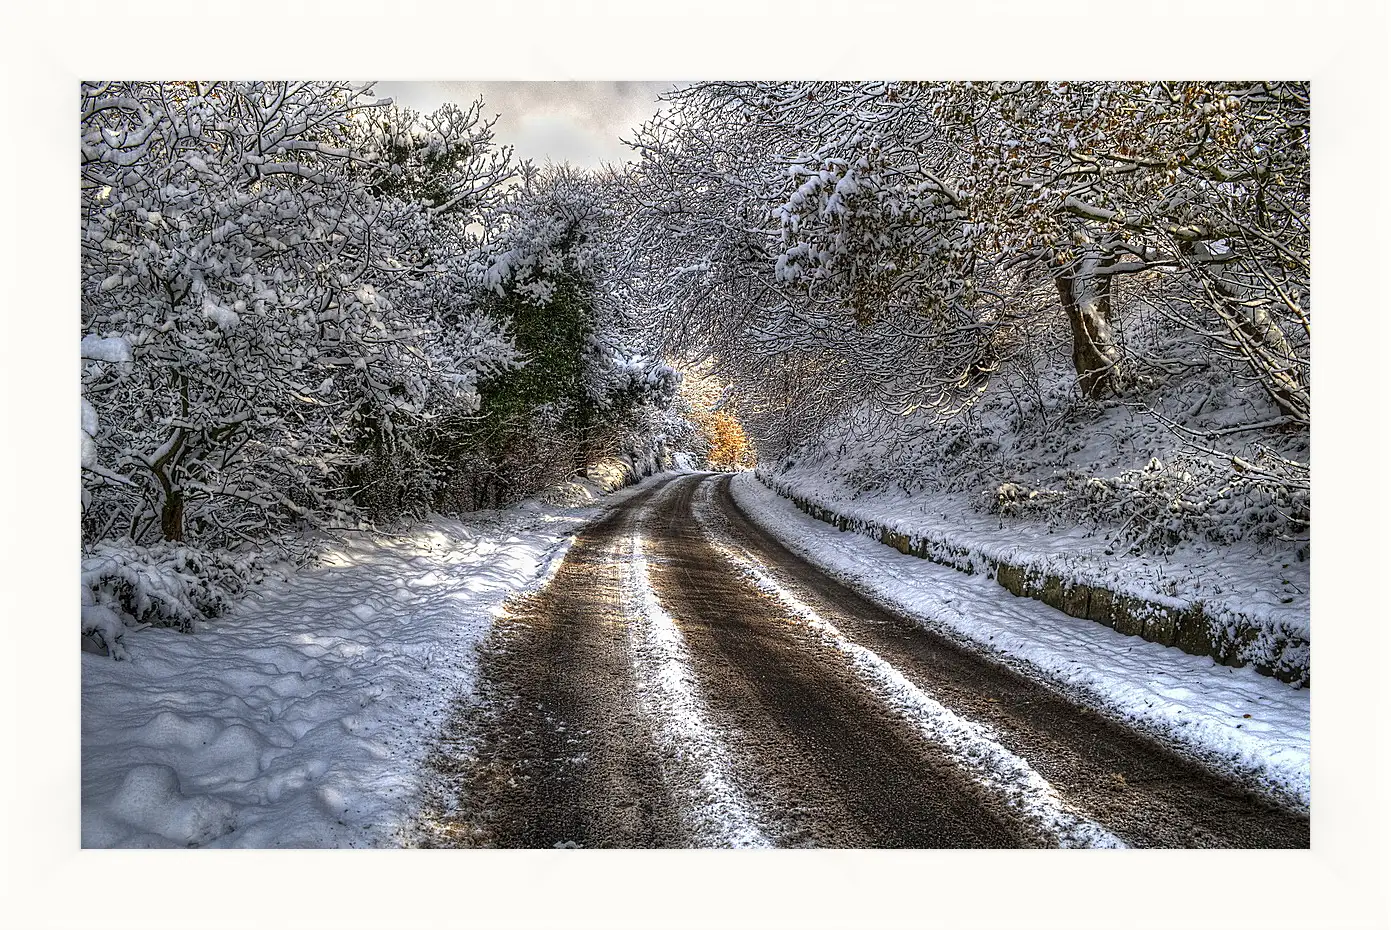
(685, 680)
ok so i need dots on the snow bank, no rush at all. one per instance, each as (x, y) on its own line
(1251, 605)
(1234, 720)
(301, 717)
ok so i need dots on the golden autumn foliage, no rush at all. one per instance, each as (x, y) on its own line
(729, 446)
(703, 401)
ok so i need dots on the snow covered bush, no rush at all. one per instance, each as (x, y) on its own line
(165, 585)
(1163, 504)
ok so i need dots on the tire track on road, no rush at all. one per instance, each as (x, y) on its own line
(973, 746)
(716, 809)
(824, 761)
(557, 750)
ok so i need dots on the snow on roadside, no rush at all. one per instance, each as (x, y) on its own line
(300, 718)
(973, 745)
(1240, 585)
(668, 692)
(1234, 720)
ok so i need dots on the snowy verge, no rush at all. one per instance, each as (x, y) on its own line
(301, 717)
(1233, 720)
(1237, 603)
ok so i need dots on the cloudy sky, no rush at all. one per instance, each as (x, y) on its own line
(576, 121)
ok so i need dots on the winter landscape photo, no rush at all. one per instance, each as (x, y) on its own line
(729, 464)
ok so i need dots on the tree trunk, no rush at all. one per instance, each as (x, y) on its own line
(171, 516)
(1086, 299)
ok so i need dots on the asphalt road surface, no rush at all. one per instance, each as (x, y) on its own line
(684, 680)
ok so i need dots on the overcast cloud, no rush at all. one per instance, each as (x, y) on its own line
(576, 121)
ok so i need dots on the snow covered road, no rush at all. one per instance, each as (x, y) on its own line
(694, 664)
(688, 680)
